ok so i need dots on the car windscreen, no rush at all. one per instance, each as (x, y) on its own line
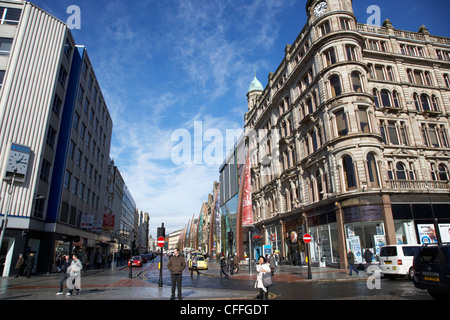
(410, 251)
(388, 251)
(200, 258)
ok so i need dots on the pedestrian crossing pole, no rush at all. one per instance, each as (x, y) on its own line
(161, 232)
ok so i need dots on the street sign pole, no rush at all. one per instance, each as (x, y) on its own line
(161, 235)
(307, 240)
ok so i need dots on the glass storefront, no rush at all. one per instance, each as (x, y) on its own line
(324, 239)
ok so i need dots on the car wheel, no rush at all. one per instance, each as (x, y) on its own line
(411, 273)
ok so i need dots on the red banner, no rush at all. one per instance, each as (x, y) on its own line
(247, 209)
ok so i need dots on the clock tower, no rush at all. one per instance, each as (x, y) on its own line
(315, 9)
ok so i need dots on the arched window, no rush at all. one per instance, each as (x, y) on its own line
(335, 85)
(425, 101)
(349, 172)
(400, 171)
(356, 82)
(319, 185)
(443, 173)
(372, 170)
(375, 98)
(435, 103)
(385, 100)
(396, 98)
(341, 123)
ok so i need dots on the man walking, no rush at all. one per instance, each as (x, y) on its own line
(64, 265)
(351, 261)
(176, 266)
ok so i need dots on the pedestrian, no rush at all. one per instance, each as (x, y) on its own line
(85, 262)
(368, 256)
(63, 266)
(296, 257)
(223, 267)
(351, 261)
(262, 267)
(236, 261)
(194, 266)
(19, 265)
(74, 280)
(176, 266)
(272, 264)
(29, 264)
(230, 264)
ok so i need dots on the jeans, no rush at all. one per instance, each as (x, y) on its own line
(176, 281)
(351, 267)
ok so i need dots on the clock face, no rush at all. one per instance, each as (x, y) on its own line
(18, 162)
(320, 8)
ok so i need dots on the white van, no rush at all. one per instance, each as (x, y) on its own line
(397, 260)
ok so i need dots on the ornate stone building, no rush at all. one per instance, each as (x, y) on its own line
(349, 140)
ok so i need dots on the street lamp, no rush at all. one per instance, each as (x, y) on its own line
(435, 222)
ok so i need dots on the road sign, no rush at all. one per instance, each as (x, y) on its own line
(307, 238)
(161, 242)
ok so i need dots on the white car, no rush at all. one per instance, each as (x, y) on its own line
(397, 260)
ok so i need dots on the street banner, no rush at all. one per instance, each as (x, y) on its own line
(108, 221)
(247, 209)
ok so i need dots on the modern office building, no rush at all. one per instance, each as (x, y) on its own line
(349, 140)
(54, 121)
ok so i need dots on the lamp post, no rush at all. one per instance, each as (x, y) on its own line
(435, 222)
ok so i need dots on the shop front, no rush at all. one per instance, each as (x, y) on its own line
(324, 239)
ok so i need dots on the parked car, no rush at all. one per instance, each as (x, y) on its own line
(432, 270)
(397, 260)
(136, 261)
(200, 260)
(144, 258)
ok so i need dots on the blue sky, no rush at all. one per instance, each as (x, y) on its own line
(164, 65)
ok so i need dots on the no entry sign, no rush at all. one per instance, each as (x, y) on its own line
(160, 242)
(307, 238)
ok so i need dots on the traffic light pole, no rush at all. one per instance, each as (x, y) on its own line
(161, 232)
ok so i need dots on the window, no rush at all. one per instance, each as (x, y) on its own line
(10, 16)
(443, 173)
(350, 51)
(2, 77)
(74, 185)
(346, 24)
(329, 57)
(372, 170)
(51, 137)
(56, 107)
(335, 85)
(443, 55)
(324, 28)
(356, 82)
(5, 46)
(376, 45)
(400, 171)
(434, 135)
(447, 80)
(62, 76)
(45, 170)
(349, 172)
(414, 51)
(395, 133)
(363, 120)
(341, 123)
(385, 98)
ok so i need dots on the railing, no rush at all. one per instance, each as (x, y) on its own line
(418, 185)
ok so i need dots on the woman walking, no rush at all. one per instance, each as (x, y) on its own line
(262, 267)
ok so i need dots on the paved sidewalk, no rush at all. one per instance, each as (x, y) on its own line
(109, 284)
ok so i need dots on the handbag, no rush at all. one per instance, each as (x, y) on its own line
(267, 280)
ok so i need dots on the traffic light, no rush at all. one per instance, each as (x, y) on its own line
(161, 232)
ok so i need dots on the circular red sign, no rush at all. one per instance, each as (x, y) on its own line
(307, 238)
(160, 242)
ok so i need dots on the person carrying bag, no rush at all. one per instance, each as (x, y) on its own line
(263, 279)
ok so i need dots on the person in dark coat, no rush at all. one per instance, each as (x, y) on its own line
(368, 256)
(29, 264)
(351, 261)
(176, 265)
(223, 267)
(19, 265)
(65, 263)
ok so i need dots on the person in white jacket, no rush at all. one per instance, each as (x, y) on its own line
(74, 281)
(262, 267)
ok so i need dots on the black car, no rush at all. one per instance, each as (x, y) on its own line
(432, 270)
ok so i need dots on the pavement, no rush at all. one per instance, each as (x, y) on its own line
(116, 284)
